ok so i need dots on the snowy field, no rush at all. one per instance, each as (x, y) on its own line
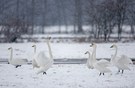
(66, 50)
(64, 76)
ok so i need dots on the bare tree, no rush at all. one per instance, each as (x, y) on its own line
(78, 10)
(121, 6)
(131, 16)
(44, 15)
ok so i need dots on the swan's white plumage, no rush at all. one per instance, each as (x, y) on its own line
(34, 64)
(16, 61)
(89, 61)
(45, 67)
(121, 62)
(42, 61)
(125, 59)
(101, 68)
(100, 65)
(103, 63)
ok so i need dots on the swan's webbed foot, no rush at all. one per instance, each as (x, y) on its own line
(44, 73)
(17, 66)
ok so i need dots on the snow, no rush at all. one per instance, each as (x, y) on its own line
(66, 50)
(64, 76)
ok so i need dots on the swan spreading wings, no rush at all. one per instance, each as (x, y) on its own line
(41, 61)
(121, 62)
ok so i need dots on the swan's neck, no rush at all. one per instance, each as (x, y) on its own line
(11, 55)
(114, 54)
(49, 47)
(94, 54)
(35, 49)
(88, 55)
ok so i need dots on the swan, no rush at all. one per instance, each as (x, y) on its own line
(89, 60)
(100, 65)
(121, 62)
(16, 62)
(42, 61)
(34, 63)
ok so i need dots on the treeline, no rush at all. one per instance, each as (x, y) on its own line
(21, 16)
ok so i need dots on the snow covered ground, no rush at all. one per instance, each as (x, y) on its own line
(66, 50)
(64, 76)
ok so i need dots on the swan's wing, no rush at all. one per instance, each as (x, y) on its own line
(125, 60)
(34, 64)
(45, 68)
(104, 63)
(42, 59)
(89, 64)
(19, 61)
(102, 66)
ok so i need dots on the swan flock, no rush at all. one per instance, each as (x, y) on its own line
(120, 62)
(42, 62)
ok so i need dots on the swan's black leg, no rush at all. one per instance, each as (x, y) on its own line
(103, 74)
(44, 73)
(18, 66)
(100, 74)
(8, 62)
(118, 71)
(122, 71)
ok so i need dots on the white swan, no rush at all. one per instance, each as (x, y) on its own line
(16, 62)
(44, 62)
(100, 65)
(120, 62)
(34, 63)
(89, 61)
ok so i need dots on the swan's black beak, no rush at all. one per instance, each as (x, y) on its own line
(49, 38)
(91, 44)
(86, 52)
(111, 46)
(9, 48)
(33, 46)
